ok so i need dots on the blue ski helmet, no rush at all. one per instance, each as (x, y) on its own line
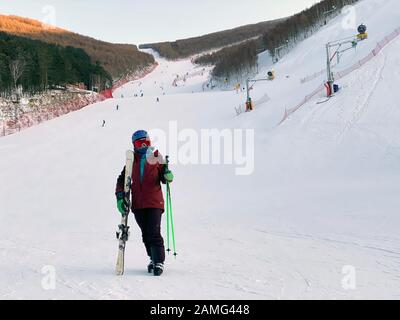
(138, 135)
(141, 140)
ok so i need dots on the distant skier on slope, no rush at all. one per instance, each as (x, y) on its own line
(149, 171)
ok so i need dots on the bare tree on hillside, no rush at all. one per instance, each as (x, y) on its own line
(17, 68)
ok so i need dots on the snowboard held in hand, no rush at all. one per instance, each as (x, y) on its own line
(123, 228)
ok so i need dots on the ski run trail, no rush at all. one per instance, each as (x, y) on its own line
(318, 218)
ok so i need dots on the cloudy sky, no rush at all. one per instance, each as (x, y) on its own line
(131, 21)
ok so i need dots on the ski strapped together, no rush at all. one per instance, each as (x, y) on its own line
(123, 228)
(170, 218)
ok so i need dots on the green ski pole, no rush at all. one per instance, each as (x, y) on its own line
(168, 227)
(167, 209)
(172, 219)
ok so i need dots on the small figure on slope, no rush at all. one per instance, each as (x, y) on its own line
(148, 172)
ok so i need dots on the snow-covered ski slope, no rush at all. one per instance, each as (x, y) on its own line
(318, 218)
(167, 79)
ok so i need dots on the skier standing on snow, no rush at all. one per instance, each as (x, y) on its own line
(149, 171)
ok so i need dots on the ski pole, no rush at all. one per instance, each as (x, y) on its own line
(172, 219)
(167, 203)
(167, 209)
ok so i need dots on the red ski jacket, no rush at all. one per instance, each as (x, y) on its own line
(146, 193)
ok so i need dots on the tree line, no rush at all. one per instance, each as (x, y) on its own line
(37, 66)
(187, 47)
(233, 60)
(118, 60)
(302, 25)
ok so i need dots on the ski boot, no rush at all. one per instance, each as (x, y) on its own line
(158, 269)
(150, 267)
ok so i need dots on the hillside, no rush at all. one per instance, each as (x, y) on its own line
(187, 47)
(41, 66)
(117, 59)
(239, 61)
(237, 48)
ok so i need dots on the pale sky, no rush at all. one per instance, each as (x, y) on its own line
(131, 21)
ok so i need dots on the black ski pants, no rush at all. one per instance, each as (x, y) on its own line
(149, 221)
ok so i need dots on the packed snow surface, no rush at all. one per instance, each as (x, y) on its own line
(317, 218)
